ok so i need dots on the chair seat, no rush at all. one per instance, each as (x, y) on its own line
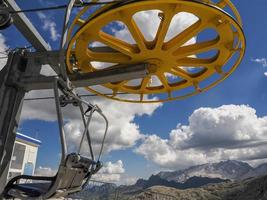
(72, 175)
(32, 189)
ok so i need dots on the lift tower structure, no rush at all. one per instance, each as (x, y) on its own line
(22, 74)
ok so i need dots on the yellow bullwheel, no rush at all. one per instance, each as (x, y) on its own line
(184, 58)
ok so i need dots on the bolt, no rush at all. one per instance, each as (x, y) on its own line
(161, 16)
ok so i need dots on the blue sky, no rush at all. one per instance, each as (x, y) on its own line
(246, 86)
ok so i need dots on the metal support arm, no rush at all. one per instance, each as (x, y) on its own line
(120, 73)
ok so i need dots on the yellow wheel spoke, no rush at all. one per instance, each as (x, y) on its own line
(181, 73)
(222, 4)
(183, 37)
(163, 28)
(135, 32)
(144, 83)
(196, 62)
(196, 48)
(141, 97)
(117, 44)
(114, 92)
(163, 80)
(120, 84)
(109, 57)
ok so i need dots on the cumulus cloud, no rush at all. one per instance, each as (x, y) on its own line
(3, 48)
(123, 131)
(262, 61)
(180, 22)
(265, 74)
(49, 25)
(114, 173)
(213, 134)
(111, 172)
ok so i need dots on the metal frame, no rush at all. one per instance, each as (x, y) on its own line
(59, 84)
(22, 74)
(11, 100)
(54, 189)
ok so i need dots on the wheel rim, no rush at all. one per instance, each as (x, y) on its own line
(226, 5)
(165, 57)
(80, 21)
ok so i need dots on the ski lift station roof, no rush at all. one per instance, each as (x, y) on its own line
(28, 139)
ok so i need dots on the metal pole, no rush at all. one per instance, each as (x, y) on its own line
(11, 100)
(60, 123)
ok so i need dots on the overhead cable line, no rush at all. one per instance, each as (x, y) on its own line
(83, 4)
(85, 95)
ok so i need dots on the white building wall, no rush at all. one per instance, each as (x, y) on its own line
(29, 159)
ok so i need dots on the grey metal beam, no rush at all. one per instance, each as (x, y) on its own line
(53, 58)
(11, 99)
(116, 74)
(26, 28)
(50, 58)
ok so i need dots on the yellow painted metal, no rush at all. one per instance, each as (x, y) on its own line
(79, 21)
(168, 59)
(226, 4)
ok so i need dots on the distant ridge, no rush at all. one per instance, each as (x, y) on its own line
(230, 169)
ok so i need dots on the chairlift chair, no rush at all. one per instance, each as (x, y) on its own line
(75, 170)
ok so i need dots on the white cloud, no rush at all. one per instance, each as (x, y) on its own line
(111, 172)
(45, 171)
(114, 173)
(46, 70)
(180, 22)
(3, 48)
(49, 25)
(262, 61)
(128, 180)
(213, 134)
(123, 131)
(113, 168)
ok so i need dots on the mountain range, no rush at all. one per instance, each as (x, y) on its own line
(248, 189)
(231, 169)
(192, 177)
